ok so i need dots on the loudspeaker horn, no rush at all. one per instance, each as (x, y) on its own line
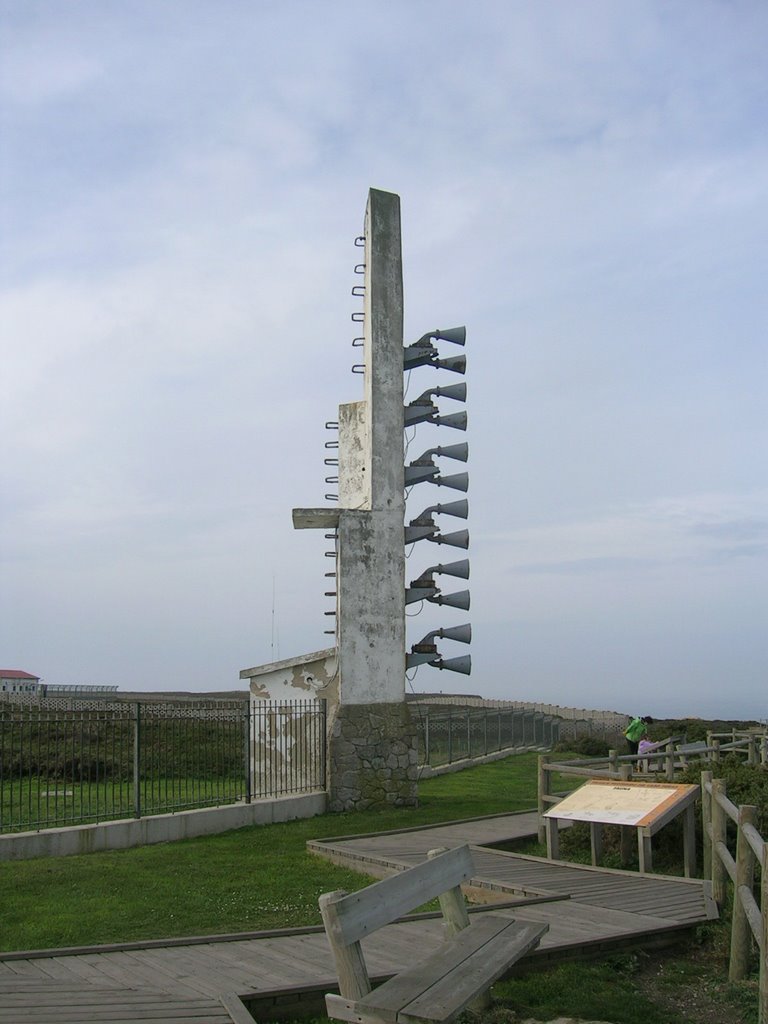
(458, 335)
(458, 481)
(458, 600)
(459, 539)
(462, 634)
(460, 569)
(457, 420)
(460, 452)
(462, 664)
(458, 392)
(456, 364)
(460, 509)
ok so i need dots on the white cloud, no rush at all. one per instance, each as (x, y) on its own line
(582, 185)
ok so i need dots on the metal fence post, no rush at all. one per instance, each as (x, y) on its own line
(324, 742)
(137, 760)
(247, 751)
(426, 737)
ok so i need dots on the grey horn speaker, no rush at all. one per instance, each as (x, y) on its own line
(456, 481)
(462, 664)
(460, 452)
(457, 335)
(459, 539)
(456, 364)
(457, 420)
(459, 600)
(460, 569)
(458, 392)
(460, 509)
(462, 634)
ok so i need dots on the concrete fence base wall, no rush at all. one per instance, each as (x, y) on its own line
(428, 771)
(161, 828)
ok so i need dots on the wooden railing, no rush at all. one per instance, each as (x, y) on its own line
(749, 918)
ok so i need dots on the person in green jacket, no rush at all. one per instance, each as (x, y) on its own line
(636, 731)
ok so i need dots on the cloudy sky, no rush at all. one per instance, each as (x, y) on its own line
(584, 184)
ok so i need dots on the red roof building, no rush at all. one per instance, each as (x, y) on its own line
(13, 680)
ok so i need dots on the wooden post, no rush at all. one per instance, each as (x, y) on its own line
(751, 749)
(455, 916)
(689, 841)
(553, 839)
(596, 842)
(715, 751)
(706, 823)
(738, 967)
(644, 851)
(627, 831)
(719, 872)
(350, 965)
(544, 788)
(763, 984)
(613, 761)
(669, 762)
(456, 919)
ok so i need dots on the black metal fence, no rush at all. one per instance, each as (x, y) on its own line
(125, 760)
(455, 734)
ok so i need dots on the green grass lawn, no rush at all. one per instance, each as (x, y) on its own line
(28, 804)
(252, 878)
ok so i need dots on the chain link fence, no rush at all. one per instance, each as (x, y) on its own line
(449, 734)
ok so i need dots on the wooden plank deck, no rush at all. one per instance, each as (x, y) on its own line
(200, 980)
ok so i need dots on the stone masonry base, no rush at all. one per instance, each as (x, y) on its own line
(372, 757)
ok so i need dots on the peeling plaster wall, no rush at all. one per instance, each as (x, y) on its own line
(284, 744)
(310, 675)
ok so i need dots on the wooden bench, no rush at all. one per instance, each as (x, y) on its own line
(438, 988)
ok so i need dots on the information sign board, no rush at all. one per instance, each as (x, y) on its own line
(642, 804)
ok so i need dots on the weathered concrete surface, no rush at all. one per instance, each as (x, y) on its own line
(161, 828)
(371, 608)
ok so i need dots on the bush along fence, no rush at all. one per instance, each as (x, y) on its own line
(451, 734)
(128, 760)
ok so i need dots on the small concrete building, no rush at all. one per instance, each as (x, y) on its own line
(13, 680)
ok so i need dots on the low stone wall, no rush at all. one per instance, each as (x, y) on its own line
(161, 828)
(372, 757)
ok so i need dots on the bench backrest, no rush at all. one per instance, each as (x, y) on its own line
(358, 914)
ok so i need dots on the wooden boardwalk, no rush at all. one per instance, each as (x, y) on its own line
(213, 979)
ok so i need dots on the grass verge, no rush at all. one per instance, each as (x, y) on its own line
(253, 878)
